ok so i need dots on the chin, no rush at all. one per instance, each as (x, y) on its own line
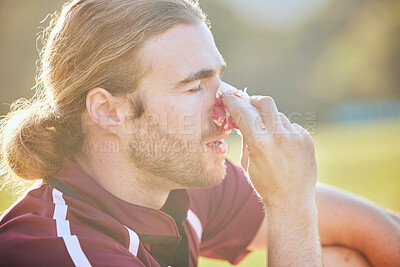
(216, 172)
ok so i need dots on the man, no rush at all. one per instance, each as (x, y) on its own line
(133, 167)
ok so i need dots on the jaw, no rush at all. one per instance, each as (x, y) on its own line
(215, 163)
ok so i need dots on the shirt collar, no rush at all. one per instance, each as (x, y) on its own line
(143, 220)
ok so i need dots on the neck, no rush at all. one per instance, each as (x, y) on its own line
(125, 182)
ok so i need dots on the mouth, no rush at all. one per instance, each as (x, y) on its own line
(218, 145)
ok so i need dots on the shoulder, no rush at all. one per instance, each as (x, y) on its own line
(25, 242)
(40, 230)
(28, 234)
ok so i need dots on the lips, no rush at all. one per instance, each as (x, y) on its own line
(218, 145)
(219, 138)
(215, 143)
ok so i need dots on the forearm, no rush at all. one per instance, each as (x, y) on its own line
(382, 243)
(293, 238)
(353, 222)
(336, 255)
(282, 168)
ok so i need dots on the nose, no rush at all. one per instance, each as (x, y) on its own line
(212, 97)
(215, 85)
(227, 87)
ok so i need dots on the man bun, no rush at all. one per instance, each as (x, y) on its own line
(29, 141)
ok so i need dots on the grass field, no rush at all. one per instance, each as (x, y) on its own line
(364, 159)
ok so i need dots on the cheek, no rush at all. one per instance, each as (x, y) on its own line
(206, 110)
(189, 116)
(202, 108)
(181, 116)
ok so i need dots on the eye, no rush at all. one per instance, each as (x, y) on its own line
(195, 90)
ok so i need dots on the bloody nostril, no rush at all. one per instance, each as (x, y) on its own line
(221, 116)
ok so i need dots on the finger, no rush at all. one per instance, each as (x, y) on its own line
(244, 114)
(286, 123)
(244, 158)
(298, 128)
(269, 113)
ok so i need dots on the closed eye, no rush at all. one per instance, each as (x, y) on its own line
(195, 90)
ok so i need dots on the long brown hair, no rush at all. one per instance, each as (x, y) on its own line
(90, 43)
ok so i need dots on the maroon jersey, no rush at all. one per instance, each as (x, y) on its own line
(75, 221)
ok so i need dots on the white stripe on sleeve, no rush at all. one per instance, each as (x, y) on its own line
(195, 223)
(133, 241)
(63, 230)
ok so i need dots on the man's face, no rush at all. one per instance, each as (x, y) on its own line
(172, 139)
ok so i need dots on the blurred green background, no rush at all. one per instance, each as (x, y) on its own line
(331, 66)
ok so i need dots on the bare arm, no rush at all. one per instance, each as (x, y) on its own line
(294, 239)
(282, 168)
(354, 222)
(351, 222)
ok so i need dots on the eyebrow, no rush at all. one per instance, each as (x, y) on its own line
(202, 74)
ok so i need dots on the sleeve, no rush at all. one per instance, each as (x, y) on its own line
(24, 243)
(230, 213)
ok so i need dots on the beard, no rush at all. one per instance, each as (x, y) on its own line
(177, 160)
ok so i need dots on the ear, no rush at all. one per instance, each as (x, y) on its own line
(103, 109)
